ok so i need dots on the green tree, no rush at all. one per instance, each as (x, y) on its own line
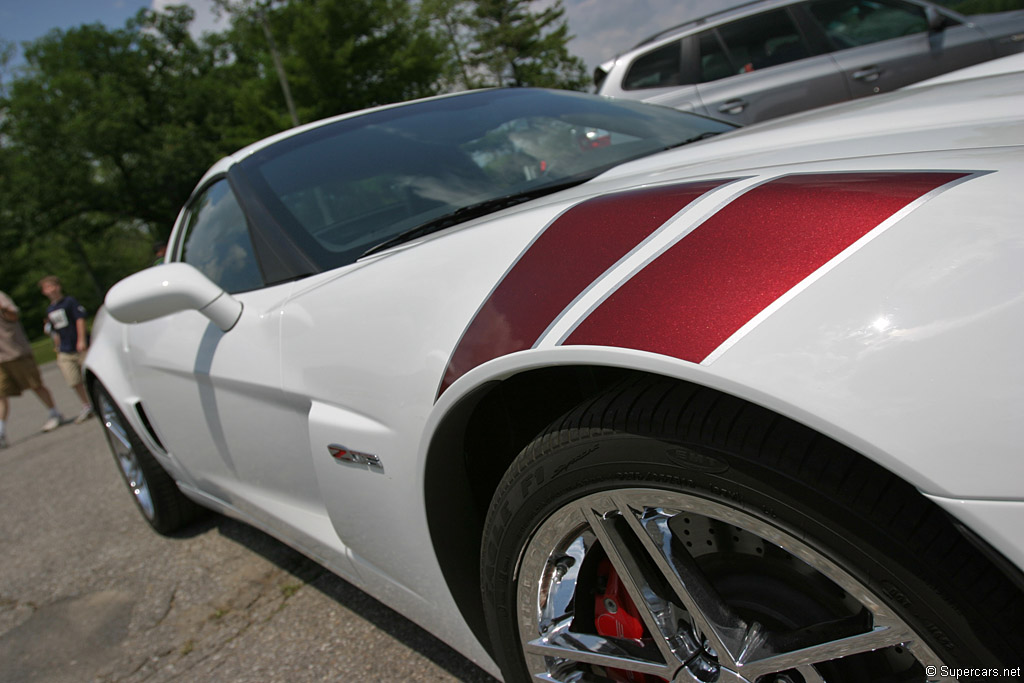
(338, 55)
(519, 47)
(256, 11)
(7, 50)
(106, 132)
(451, 20)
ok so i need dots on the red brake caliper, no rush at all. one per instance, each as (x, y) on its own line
(616, 616)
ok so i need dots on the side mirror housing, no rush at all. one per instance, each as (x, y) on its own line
(936, 19)
(171, 288)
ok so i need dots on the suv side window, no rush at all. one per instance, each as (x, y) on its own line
(849, 23)
(760, 41)
(656, 69)
(714, 62)
(217, 241)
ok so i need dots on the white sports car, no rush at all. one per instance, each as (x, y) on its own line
(592, 408)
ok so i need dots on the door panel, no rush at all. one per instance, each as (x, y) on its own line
(775, 91)
(685, 98)
(216, 400)
(895, 63)
(882, 45)
(761, 67)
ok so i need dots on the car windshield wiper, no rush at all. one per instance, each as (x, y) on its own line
(465, 213)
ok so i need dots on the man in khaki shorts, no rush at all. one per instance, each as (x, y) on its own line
(18, 370)
(70, 340)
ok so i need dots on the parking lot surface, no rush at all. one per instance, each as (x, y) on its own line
(89, 593)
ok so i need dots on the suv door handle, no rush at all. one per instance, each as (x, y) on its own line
(733, 106)
(867, 74)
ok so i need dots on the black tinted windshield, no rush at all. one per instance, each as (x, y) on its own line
(342, 188)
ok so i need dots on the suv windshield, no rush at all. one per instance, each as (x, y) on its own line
(346, 187)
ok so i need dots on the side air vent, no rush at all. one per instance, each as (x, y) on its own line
(149, 427)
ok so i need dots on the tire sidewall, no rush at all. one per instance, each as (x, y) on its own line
(552, 478)
(157, 479)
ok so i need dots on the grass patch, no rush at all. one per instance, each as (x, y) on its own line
(290, 589)
(43, 351)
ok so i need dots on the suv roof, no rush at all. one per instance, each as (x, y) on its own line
(766, 58)
(725, 14)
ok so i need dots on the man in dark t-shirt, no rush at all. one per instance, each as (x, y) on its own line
(67, 323)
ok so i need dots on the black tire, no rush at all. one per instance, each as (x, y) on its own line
(731, 536)
(155, 493)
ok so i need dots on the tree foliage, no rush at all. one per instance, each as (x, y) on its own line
(343, 55)
(518, 47)
(105, 131)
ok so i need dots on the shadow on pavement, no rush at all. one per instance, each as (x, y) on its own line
(342, 592)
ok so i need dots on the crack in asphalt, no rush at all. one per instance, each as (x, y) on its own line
(201, 642)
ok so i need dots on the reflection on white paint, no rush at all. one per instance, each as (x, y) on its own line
(881, 324)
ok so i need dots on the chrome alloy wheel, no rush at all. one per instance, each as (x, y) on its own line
(124, 453)
(652, 585)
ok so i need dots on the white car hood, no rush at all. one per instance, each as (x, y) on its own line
(973, 114)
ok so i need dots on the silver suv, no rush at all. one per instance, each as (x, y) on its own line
(772, 57)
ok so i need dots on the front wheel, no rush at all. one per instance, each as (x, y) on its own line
(665, 533)
(155, 493)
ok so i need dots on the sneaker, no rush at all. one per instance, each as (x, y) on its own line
(3, 441)
(84, 415)
(52, 423)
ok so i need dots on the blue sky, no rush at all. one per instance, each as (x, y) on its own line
(22, 20)
(602, 27)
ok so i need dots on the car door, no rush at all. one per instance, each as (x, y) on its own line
(881, 45)
(761, 67)
(214, 398)
(665, 75)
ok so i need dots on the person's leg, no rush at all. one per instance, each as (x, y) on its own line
(4, 407)
(8, 387)
(54, 419)
(34, 381)
(86, 411)
(45, 396)
(70, 365)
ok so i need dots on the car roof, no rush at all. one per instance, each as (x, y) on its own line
(222, 165)
(751, 7)
(734, 12)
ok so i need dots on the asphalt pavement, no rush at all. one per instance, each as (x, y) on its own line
(89, 593)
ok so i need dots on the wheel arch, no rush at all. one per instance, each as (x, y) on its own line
(482, 433)
(472, 447)
(109, 366)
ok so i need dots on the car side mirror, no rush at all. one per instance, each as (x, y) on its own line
(171, 288)
(936, 19)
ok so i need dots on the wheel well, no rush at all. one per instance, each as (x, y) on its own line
(471, 450)
(90, 379)
(481, 436)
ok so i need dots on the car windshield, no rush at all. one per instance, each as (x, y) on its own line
(345, 188)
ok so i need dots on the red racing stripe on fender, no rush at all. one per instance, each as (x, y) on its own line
(717, 278)
(565, 259)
